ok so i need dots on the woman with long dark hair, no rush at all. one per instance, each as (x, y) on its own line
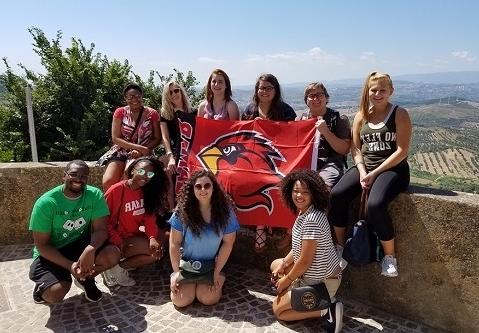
(134, 203)
(203, 231)
(268, 104)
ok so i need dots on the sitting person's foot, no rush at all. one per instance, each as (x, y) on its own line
(260, 240)
(117, 276)
(334, 318)
(92, 293)
(389, 266)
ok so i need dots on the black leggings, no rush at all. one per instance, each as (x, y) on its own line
(385, 188)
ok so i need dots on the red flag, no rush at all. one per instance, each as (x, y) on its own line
(249, 159)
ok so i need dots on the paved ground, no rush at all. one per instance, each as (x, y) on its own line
(245, 306)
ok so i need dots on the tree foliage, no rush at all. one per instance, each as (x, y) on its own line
(73, 101)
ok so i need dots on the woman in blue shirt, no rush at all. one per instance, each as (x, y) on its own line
(203, 231)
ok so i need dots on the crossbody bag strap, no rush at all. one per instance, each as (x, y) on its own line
(137, 123)
(121, 203)
(363, 206)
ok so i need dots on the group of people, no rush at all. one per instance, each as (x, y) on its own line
(80, 232)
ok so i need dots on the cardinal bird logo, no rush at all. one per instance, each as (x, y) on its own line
(245, 163)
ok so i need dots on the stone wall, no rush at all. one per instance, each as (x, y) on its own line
(437, 246)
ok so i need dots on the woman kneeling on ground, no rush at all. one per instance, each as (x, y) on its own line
(203, 231)
(134, 203)
(312, 259)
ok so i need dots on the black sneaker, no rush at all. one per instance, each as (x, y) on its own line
(334, 318)
(37, 294)
(92, 293)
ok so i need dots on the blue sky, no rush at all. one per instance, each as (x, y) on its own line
(298, 41)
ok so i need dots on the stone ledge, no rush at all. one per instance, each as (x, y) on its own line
(437, 245)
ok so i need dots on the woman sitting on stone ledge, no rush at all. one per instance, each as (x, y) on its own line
(203, 231)
(381, 137)
(312, 260)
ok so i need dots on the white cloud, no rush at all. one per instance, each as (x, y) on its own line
(368, 55)
(313, 55)
(464, 55)
(211, 60)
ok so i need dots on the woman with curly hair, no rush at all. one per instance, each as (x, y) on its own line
(312, 259)
(203, 231)
(135, 203)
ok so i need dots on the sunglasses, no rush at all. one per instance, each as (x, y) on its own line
(204, 187)
(174, 91)
(143, 172)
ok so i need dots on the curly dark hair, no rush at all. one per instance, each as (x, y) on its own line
(188, 207)
(316, 185)
(155, 191)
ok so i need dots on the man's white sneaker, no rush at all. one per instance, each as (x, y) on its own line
(117, 276)
(389, 266)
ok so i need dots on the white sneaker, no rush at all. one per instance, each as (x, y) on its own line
(339, 251)
(389, 266)
(117, 275)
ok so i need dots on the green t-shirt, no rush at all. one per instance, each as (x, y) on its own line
(66, 220)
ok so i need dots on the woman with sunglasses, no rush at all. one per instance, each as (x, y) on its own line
(218, 104)
(174, 99)
(133, 205)
(268, 104)
(135, 132)
(203, 231)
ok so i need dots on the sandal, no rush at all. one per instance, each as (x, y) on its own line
(284, 241)
(260, 240)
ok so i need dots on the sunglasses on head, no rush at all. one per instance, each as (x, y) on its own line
(205, 187)
(174, 91)
(143, 172)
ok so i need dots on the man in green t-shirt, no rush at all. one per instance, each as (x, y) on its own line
(69, 232)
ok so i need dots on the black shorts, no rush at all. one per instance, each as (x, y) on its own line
(46, 273)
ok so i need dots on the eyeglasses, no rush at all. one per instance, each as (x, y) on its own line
(143, 172)
(76, 175)
(174, 91)
(314, 96)
(267, 88)
(133, 96)
(204, 187)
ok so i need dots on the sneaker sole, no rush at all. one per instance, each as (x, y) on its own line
(339, 317)
(79, 285)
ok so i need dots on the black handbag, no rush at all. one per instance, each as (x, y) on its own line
(196, 271)
(363, 247)
(310, 298)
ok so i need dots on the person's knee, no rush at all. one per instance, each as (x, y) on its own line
(183, 301)
(56, 293)
(209, 299)
(108, 257)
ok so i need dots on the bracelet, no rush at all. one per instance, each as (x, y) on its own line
(287, 276)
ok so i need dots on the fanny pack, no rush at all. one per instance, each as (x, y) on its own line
(310, 298)
(196, 271)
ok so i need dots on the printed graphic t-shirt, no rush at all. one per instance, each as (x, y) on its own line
(128, 214)
(65, 219)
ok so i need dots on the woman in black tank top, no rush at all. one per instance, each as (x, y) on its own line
(381, 137)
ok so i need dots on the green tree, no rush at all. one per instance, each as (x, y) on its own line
(73, 101)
